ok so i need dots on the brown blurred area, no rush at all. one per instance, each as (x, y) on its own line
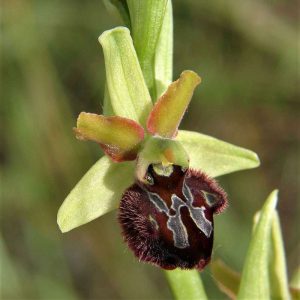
(52, 68)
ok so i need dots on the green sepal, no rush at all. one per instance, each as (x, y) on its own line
(127, 89)
(168, 111)
(107, 108)
(119, 137)
(255, 281)
(213, 156)
(157, 150)
(97, 193)
(146, 21)
(186, 284)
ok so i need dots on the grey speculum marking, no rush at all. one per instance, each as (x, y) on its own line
(175, 224)
(197, 213)
(158, 202)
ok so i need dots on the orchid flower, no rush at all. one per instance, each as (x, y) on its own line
(160, 177)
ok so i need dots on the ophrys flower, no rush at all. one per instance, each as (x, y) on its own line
(161, 175)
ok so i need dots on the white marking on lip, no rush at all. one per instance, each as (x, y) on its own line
(158, 202)
(175, 223)
(197, 213)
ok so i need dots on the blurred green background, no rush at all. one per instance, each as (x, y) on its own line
(52, 68)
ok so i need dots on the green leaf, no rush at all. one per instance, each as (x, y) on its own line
(119, 137)
(146, 21)
(162, 151)
(98, 192)
(214, 156)
(164, 53)
(168, 111)
(227, 279)
(255, 277)
(186, 285)
(273, 255)
(278, 271)
(127, 89)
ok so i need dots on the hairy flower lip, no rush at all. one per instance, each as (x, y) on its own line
(148, 223)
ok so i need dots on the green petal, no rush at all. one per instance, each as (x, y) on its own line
(186, 285)
(119, 137)
(98, 192)
(164, 53)
(146, 21)
(227, 279)
(255, 282)
(214, 156)
(168, 111)
(127, 89)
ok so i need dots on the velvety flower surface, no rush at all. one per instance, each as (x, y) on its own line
(169, 220)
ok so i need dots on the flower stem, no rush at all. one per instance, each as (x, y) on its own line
(186, 284)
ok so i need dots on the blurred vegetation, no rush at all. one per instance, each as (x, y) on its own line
(52, 68)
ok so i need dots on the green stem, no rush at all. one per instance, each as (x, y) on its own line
(186, 284)
(146, 17)
(152, 29)
(151, 26)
